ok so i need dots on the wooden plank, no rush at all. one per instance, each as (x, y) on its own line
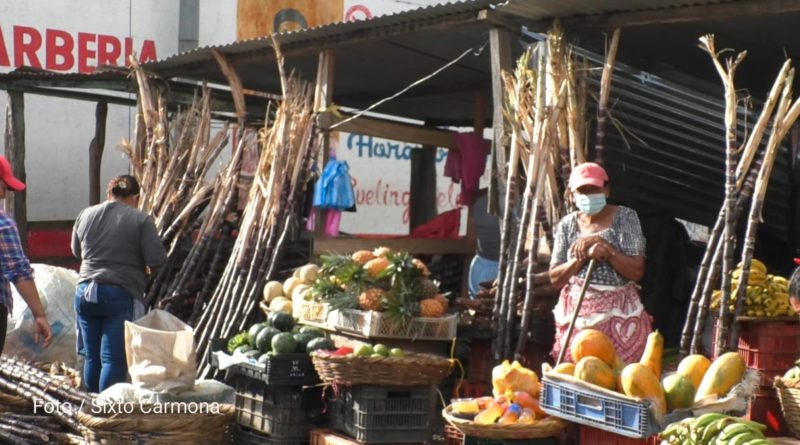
(500, 46)
(720, 11)
(323, 98)
(96, 147)
(15, 153)
(397, 131)
(419, 246)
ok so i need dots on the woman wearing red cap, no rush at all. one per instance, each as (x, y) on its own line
(16, 268)
(612, 236)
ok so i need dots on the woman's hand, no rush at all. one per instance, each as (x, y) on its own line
(580, 248)
(601, 251)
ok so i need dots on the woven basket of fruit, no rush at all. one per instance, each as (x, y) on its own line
(539, 429)
(398, 369)
(789, 395)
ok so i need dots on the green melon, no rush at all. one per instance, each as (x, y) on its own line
(264, 339)
(284, 343)
(252, 333)
(315, 332)
(320, 344)
(302, 340)
(262, 360)
(242, 349)
(253, 353)
(282, 321)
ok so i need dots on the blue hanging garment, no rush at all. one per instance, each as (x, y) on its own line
(334, 189)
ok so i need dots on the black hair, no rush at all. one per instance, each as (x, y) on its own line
(288, 15)
(123, 186)
(794, 284)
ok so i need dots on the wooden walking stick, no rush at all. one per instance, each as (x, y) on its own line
(575, 313)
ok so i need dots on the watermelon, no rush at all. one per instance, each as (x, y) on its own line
(264, 339)
(320, 344)
(284, 343)
(315, 332)
(282, 321)
(252, 333)
(302, 340)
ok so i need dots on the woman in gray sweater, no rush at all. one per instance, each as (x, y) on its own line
(116, 243)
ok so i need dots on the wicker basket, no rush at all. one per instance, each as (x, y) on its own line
(789, 395)
(138, 426)
(548, 427)
(412, 370)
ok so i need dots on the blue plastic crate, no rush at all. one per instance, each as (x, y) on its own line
(585, 406)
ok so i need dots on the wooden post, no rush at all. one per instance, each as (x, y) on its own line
(499, 44)
(96, 147)
(422, 187)
(15, 153)
(323, 98)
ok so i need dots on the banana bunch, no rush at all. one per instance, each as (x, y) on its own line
(766, 296)
(715, 429)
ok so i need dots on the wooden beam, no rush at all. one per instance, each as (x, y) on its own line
(96, 147)
(323, 98)
(718, 11)
(417, 246)
(500, 46)
(397, 131)
(15, 153)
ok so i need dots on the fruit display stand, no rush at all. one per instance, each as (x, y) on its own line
(584, 403)
(371, 324)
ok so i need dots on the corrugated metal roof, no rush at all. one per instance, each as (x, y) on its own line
(545, 9)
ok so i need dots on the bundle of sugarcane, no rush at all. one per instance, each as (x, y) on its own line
(288, 145)
(547, 126)
(746, 180)
(24, 429)
(173, 157)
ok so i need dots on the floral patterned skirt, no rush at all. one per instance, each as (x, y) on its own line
(618, 313)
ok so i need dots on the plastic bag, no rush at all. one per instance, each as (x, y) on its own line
(56, 287)
(334, 189)
(513, 377)
(204, 391)
(161, 352)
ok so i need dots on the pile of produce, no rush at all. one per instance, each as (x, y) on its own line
(794, 372)
(516, 398)
(279, 334)
(766, 296)
(715, 428)
(286, 296)
(394, 283)
(697, 378)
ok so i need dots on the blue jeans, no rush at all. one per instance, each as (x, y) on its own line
(481, 270)
(102, 329)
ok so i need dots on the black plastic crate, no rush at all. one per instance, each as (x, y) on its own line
(280, 411)
(379, 414)
(244, 436)
(282, 369)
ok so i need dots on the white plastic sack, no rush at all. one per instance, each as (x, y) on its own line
(56, 287)
(204, 391)
(161, 352)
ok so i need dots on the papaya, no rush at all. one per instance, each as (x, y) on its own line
(639, 381)
(679, 391)
(694, 366)
(595, 371)
(592, 343)
(619, 365)
(653, 353)
(723, 374)
(565, 368)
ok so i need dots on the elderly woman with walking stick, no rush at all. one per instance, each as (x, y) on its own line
(611, 236)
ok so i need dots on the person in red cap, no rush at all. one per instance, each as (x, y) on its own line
(16, 268)
(612, 236)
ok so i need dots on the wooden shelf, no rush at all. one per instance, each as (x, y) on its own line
(418, 246)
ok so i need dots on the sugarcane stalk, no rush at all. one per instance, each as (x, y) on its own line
(27, 432)
(11, 439)
(731, 148)
(605, 93)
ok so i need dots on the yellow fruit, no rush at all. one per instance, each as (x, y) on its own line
(272, 290)
(619, 365)
(308, 273)
(679, 392)
(431, 308)
(443, 301)
(653, 353)
(595, 371)
(377, 266)
(725, 372)
(290, 284)
(695, 367)
(639, 381)
(281, 304)
(592, 343)
(565, 368)
(422, 267)
(370, 299)
(363, 257)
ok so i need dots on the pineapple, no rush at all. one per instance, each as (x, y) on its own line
(442, 299)
(429, 288)
(376, 267)
(431, 308)
(363, 257)
(422, 267)
(382, 252)
(371, 299)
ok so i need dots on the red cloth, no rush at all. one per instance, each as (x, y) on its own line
(445, 225)
(466, 164)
